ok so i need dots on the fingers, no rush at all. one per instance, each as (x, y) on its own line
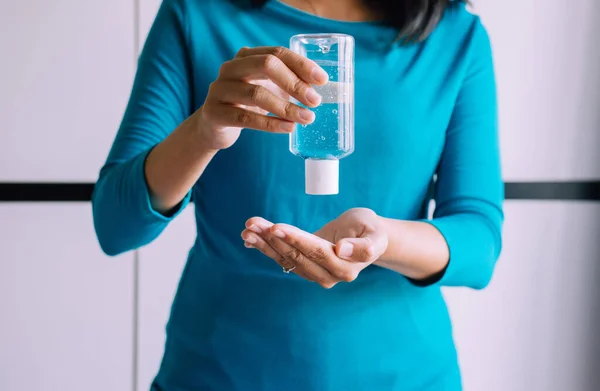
(317, 250)
(366, 249)
(303, 241)
(225, 115)
(292, 256)
(292, 72)
(239, 98)
(269, 85)
(310, 265)
(253, 240)
(306, 69)
(235, 92)
(272, 68)
(285, 255)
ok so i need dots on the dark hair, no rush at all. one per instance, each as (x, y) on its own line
(414, 19)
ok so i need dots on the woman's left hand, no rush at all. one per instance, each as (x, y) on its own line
(337, 252)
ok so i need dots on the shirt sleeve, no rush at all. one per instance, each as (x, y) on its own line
(469, 190)
(124, 218)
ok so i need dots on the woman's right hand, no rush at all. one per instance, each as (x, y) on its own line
(256, 82)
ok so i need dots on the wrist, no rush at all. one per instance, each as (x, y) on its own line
(203, 139)
(394, 230)
(416, 249)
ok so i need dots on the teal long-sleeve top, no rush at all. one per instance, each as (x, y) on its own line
(422, 111)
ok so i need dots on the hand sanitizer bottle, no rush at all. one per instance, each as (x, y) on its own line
(331, 136)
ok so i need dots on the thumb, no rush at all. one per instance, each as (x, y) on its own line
(364, 249)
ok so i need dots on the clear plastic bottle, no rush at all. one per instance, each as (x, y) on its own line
(331, 136)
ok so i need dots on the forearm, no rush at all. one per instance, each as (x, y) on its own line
(415, 249)
(174, 165)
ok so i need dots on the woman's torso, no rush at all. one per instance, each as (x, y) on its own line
(238, 322)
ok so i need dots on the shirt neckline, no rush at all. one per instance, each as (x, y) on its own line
(373, 34)
(281, 7)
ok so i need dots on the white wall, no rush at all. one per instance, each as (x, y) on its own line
(65, 309)
(547, 56)
(68, 312)
(67, 68)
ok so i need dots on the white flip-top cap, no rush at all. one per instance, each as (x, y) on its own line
(322, 176)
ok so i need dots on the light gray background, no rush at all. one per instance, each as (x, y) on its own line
(73, 319)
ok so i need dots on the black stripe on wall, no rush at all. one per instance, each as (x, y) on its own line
(45, 192)
(569, 191)
(82, 192)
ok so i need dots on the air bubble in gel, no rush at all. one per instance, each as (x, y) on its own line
(331, 136)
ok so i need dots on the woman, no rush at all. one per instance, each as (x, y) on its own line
(359, 307)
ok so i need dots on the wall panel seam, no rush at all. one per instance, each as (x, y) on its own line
(136, 254)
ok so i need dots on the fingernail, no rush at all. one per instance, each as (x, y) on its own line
(313, 97)
(255, 228)
(346, 250)
(251, 239)
(248, 245)
(307, 115)
(279, 233)
(287, 127)
(319, 75)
